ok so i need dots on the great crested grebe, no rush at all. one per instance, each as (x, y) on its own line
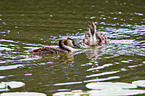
(92, 37)
(64, 46)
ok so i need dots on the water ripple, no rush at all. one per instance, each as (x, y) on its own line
(100, 74)
(31, 27)
(10, 67)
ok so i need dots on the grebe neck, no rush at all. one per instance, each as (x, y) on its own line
(62, 46)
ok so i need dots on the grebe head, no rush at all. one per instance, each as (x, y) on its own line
(71, 42)
(67, 44)
(92, 29)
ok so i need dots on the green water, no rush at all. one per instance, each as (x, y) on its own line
(28, 24)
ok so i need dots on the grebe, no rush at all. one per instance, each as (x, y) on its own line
(92, 37)
(64, 46)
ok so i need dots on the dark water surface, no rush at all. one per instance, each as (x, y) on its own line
(28, 24)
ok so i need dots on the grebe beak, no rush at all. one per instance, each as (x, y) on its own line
(72, 43)
(75, 45)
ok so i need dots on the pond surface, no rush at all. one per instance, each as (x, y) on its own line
(29, 24)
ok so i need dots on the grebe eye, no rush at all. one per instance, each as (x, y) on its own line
(65, 42)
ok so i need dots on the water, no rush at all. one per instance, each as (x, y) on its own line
(29, 24)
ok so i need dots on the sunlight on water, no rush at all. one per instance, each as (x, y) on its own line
(2, 77)
(100, 74)
(10, 67)
(100, 67)
(116, 48)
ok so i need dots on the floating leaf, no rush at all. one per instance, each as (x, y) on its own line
(22, 94)
(73, 93)
(12, 84)
(109, 85)
(140, 83)
(7, 86)
(115, 92)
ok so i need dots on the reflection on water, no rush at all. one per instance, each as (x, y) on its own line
(26, 25)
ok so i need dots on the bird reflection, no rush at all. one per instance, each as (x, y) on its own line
(94, 52)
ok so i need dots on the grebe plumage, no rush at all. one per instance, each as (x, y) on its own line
(64, 46)
(92, 37)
